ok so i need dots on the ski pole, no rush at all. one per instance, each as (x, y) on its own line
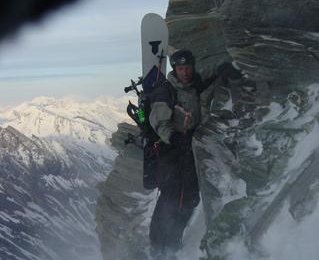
(161, 57)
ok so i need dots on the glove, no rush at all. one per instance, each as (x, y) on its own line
(227, 70)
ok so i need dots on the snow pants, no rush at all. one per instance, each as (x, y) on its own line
(179, 195)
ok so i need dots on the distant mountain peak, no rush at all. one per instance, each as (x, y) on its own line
(91, 121)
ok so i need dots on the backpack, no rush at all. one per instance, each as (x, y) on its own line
(149, 141)
(153, 146)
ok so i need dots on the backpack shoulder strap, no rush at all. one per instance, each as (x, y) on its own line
(164, 92)
(173, 95)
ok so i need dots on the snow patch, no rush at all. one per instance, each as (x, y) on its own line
(193, 235)
(6, 217)
(255, 144)
(230, 188)
(2, 190)
(286, 239)
(57, 182)
(273, 39)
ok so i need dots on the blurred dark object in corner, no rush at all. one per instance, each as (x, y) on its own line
(14, 13)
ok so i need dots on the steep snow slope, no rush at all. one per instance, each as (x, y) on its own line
(52, 154)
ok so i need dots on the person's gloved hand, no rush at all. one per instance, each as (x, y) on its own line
(227, 70)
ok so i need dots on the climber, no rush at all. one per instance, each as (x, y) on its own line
(175, 113)
(174, 116)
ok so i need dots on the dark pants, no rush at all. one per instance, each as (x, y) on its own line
(179, 195)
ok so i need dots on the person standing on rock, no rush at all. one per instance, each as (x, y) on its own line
(175, 113)
(177, 108)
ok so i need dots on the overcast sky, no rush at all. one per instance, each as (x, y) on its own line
(85, 50)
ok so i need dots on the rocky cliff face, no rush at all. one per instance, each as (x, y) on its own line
(257, 154)
(179, 7)
(124, 207)
(274, 41)
(254, 163)
(207, 39)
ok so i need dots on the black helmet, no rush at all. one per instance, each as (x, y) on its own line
(182, 57)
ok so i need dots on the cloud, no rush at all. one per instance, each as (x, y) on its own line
(79, 39)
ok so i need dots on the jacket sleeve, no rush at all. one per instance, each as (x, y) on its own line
(160, 120)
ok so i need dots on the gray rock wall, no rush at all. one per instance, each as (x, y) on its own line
(124, 206)
(275, 41)
(177, 7)
(203, 35)
(245, 162)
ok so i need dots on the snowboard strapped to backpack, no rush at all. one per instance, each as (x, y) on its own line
(154, 36)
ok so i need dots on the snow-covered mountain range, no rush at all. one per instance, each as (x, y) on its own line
(53, 152)
(89, 121)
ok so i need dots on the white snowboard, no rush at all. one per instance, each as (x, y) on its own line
(154, 34)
